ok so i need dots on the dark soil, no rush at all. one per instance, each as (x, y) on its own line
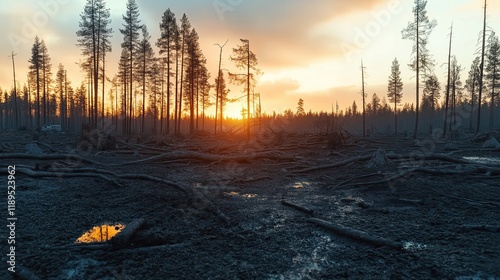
(264, 239)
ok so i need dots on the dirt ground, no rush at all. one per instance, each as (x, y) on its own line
(448, 223)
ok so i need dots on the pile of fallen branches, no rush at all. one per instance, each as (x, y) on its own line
(115, 179)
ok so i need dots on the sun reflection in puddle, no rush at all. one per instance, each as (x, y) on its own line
(246, 195)
(101, 233)
(301, 185)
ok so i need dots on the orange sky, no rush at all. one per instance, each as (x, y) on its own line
(306, 49)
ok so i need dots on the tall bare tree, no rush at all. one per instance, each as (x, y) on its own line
(166, 43)
(363, 94)
(418, 31)
(93, 39)
(184, 33)
(15, 89)
(217, 86)
(194, 60)
(481, 70)
(130, 32)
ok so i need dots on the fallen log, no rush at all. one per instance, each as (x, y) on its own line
(423, 157)
(48, 157)
(356, 178)
(298, 207)
(357, 234)
(336, 164)
(210, 158)
(44, 174)
(122, 239)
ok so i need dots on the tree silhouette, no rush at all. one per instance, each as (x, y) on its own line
(430, 96)
(395, 90)
(363, 94)
(217, 85)
(194, 61)
(472, 84)
(166, 44)
(93, 39)
(222, 95)
(418, 31)
(456, 89)
(448, 83)
(493, 72)
(35, 72)
(244, 58)
(144, 61)
(205, 87)
(184, 33)
(46, 79)
(130, 34)
(62, 90)
(300, 108)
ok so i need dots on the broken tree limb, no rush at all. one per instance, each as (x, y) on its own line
(336, 164)
(477, 169)
(357, 234)
(122, 239)
(211, 158)
(357, 178)
(423, 157)
(298, 207)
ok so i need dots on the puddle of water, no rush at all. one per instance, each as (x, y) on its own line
(413, 246)
(232, 193)
(246, 195)
(301, 185)
(483, 160)
(101, 233)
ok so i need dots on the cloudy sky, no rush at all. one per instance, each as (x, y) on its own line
(306, 49)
